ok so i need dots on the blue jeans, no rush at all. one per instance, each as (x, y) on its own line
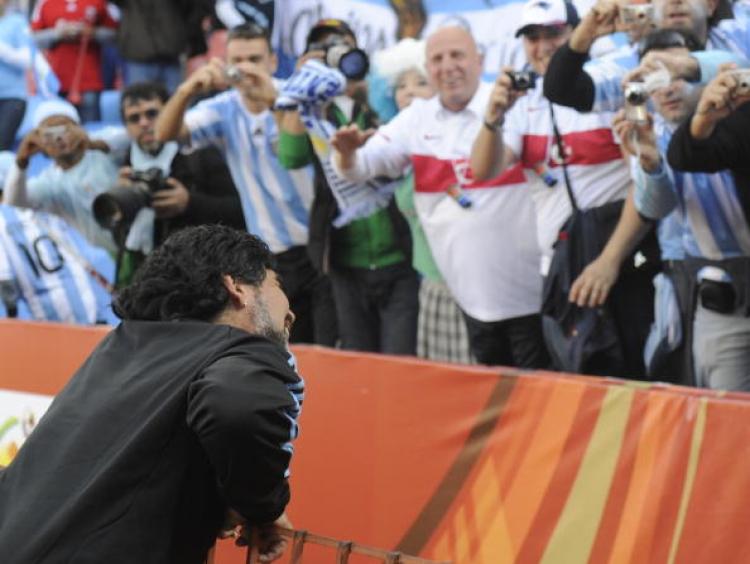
(169, 74)
(11, 116)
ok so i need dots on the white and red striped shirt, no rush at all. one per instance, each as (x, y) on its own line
(596, 169)
(487, 253)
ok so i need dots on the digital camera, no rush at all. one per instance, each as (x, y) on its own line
(636, 96)
(742, 76)
(522, 80)
(351, 61)
(232, 74)
(118, 207)
(637, 14)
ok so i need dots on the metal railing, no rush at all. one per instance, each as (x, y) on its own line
(343, 549)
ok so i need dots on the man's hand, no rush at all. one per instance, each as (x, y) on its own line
(171, 202)
(679, 65)
(256, 83)
(30, 146)
(719, 99)
(271, 544)
(592, 286)
(209, 77)
(346, 141)
(502, 97)
(599, 21)
(68, 30)
(638, 140)
(304, 57)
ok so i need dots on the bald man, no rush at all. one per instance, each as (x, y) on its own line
(482, 234)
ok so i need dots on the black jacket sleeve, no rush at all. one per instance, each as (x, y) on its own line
(566, 83)
(728, 147)
(244, 416)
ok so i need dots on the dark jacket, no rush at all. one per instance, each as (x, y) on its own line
(728, 147)
(160, 31)
(213, 196)
(325, 209)
(138, 456)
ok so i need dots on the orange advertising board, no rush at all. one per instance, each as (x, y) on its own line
(487, 465)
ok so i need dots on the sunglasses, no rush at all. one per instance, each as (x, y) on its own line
(135, 118)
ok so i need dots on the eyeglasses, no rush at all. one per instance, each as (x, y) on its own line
(135, 118)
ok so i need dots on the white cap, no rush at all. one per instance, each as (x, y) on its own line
(54, 107)
(547, 13)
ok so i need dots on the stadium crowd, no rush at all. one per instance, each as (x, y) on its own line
(585, 211)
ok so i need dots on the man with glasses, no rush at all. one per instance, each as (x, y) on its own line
(197, 187)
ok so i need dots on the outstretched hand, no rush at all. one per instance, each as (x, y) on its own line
(349, 138)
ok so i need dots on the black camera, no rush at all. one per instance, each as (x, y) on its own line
(351, 61)
(118, 207)
(522, 80)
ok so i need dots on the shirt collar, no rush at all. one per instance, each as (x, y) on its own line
(476, 105)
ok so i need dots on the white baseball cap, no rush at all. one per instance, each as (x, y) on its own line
(54, 107)
(547, 13)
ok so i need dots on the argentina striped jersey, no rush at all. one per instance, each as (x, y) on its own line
(715, 226)
(276, 202)
(728, 42)
(50, 263)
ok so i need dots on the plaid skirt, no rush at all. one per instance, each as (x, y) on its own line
(441, 330)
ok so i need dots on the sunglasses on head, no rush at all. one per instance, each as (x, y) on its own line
(136, 116)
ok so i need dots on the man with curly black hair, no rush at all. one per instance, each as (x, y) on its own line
(184, 414)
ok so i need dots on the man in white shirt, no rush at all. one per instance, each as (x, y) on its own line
(482, 234)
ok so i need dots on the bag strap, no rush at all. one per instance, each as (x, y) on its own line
(561, 150)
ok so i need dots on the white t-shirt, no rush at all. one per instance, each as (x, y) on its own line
(596, 169)
(487, 253)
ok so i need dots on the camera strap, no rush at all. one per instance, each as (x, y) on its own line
(561, 150)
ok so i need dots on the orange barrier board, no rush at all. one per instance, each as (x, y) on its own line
(481, 465)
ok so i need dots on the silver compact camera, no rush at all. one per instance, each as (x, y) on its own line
(637, 14)
(232, 74)
(636, 96)
(742, 76)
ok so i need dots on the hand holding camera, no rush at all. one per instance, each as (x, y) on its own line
(509, 86)
(601, 20)
(730, 89)
(31, 145)
(253, 80)
(637, 139)
(211, 76)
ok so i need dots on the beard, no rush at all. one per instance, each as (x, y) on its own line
(264, 327)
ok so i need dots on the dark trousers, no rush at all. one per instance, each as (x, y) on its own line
(377, 309)
(310, 298)
(631, 303)
(511, 342)
(11, 116)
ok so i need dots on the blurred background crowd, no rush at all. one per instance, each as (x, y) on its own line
(538, 184)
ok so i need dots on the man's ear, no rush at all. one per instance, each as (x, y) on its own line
(274, 63)
(237, 293)
(712, 5)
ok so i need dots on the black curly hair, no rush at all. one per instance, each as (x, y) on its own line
(182, 279)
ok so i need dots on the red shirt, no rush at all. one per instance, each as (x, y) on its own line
(64, 56)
